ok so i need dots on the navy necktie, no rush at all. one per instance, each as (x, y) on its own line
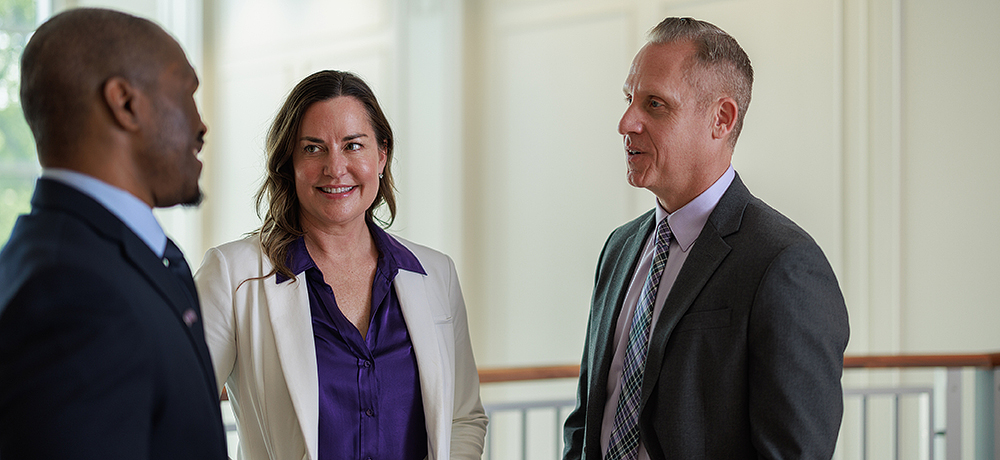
(173, 259)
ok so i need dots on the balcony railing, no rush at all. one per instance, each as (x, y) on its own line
(875, 415)
(941, 406)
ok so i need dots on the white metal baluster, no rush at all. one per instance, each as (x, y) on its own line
(864, 427)
(895, 428)
(524, 434)
(489, 438)
(996, 413)
(558, 432)
(953, 415)
(930, 426)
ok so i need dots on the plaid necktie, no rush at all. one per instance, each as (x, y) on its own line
(624, 443)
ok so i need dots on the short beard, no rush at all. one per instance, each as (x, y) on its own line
(194, 201)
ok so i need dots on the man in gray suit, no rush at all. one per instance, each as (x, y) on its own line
(717, 328)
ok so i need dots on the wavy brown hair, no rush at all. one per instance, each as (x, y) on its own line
(277, 203)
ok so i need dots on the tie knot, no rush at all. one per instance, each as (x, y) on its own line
(663, 233)
(172, 253)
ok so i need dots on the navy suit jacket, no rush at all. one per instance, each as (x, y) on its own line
(746, 357)
(96, 360)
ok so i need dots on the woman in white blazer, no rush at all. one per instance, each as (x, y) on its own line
(356, 345)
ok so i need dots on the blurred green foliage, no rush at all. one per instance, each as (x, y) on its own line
(18, 165)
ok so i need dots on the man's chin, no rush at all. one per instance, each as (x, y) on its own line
(635, 179)
(194, 200)
(189, 200)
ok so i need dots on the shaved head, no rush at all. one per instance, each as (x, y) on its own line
(111, 95)
(68, 60)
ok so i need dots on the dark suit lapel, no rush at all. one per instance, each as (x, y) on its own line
(708, 252)
(54, 195)
(170, 287)
(625, 255)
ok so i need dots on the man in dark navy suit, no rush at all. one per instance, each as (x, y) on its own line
(102, 351)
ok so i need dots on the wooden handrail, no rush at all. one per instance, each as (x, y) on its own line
(516, 374)
(567, 371)
(989, 360)
(889, 361)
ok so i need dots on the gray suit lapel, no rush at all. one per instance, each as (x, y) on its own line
(708, 252)
(626, 257)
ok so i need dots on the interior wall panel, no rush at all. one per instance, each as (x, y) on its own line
(951, 56)
(789, 152)
(554, 183)
(260, 50)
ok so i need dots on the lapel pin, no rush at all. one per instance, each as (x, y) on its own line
(189, 316)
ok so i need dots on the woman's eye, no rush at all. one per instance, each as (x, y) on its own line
(311, 148)
(353, 146)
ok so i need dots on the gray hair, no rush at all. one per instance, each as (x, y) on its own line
(727, 67)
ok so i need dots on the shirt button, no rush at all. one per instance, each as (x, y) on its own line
(368, 364)
(369, 412)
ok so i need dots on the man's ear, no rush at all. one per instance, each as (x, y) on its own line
(121, 98)
(726, 112)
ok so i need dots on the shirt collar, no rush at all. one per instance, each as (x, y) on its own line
(397, 256)
(297, 260)
(393, 256)
(687, 222)
(135, 213)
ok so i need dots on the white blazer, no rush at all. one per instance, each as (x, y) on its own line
(260, 337)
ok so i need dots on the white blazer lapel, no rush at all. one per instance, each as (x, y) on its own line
(291, 321)
(431, 356)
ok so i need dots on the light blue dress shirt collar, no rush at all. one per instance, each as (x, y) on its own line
(135, 213)
(686, 223)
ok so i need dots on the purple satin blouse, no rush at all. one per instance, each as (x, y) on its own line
(369, 391)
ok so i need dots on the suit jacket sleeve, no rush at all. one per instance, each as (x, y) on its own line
(83, 385)
(468, 429)
(215, 290)
(574, 427)
(798, 330)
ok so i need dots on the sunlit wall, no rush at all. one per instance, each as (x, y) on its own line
(870, 126)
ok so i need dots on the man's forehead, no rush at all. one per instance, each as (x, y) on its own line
(176, 62)
(656, 61)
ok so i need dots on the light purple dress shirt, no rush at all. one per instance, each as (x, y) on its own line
(370, 405)
(685, 224)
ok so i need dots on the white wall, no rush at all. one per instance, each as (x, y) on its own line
(868, 127)
(950, 190)
(871, 126)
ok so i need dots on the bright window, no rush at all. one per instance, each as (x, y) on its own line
(18, 163)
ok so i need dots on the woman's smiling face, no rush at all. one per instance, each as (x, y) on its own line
(337, 161)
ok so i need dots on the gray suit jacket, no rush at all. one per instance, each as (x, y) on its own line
(746, 357)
